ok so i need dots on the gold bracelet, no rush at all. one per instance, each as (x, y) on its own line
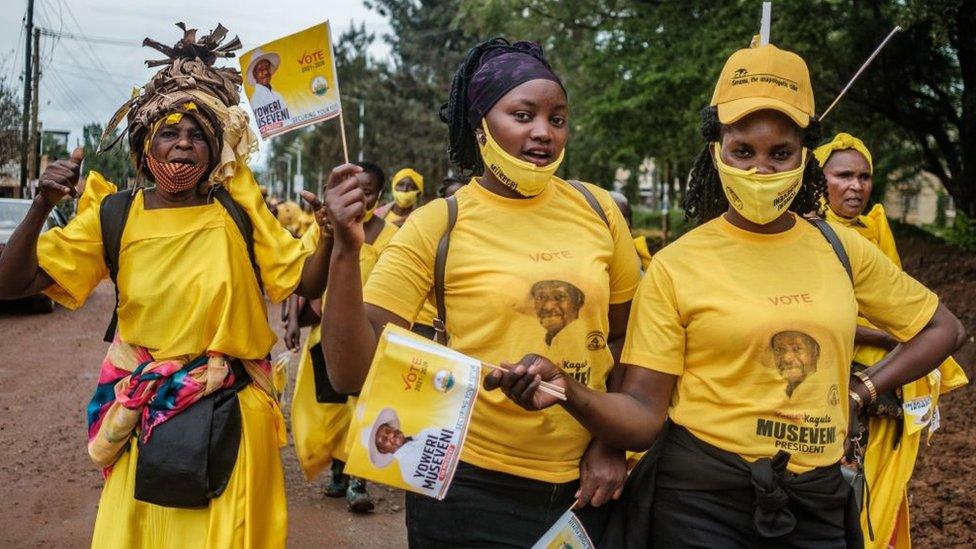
(872, 390)
(856, 398)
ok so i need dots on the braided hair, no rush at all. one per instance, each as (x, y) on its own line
(706, 200)
(463, 147)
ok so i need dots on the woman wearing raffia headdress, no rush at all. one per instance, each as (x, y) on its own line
(183, 421)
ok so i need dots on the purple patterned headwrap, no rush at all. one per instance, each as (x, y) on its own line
(501, 71)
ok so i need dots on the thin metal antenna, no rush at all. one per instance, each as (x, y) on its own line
(767, 12)
(860, 70)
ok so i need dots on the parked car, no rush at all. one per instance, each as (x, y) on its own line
(12, 212)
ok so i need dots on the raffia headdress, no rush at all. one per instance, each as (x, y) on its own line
(189, 84)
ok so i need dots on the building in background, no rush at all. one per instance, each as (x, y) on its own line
(920, 201)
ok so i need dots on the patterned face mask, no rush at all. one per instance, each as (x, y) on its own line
(174, 177)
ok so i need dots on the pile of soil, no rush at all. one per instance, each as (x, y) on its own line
(942, 495)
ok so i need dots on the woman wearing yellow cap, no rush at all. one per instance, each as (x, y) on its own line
(742, 333)
(894, 428)
(534, 264)
(408, 189)
(183, 422)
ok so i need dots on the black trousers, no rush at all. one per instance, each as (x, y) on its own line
(490, 509)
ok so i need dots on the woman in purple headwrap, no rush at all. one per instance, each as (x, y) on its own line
(534, 265)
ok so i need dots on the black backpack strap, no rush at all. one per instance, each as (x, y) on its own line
(590, 199)
(244, 225)
(112, 215)
(440, 261)
(828, 232)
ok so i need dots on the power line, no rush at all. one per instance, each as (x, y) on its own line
(67, 106)
(81, 31)
(77, 102)
(95, 39)
(93, 81)
(115, 77)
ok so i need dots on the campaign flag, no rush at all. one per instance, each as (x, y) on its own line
(413, 413)
(292, 82)
(567, 533)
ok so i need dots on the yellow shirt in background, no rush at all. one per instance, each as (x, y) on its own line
(519, 272)
(760, 329)
(393, 217)
(318, 429)
(186, 284)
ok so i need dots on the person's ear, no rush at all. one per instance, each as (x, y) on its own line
(479, 134)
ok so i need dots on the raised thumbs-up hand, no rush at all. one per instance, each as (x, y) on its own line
(60, 178)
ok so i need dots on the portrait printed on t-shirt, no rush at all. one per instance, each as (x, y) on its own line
(795, 355)
(567, 337)
(557, 304)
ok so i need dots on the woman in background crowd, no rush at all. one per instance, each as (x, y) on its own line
(891, 437)
(408, 190)
(319, 417)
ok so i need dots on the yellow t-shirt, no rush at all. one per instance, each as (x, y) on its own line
(759, 330)
(368, 255)
(186, 284)
(518, 272)
(393, 217)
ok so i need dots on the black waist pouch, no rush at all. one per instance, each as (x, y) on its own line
(325, 393)
(190, 457)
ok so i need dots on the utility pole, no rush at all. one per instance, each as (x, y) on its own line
(35, 130)
(25, 128)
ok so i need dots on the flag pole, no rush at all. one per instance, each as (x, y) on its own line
(342, 128)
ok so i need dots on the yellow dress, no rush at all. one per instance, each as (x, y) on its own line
(186, 286)
(320, 429)
(889, 463)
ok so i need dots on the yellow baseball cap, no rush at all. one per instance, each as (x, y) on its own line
(764, 77)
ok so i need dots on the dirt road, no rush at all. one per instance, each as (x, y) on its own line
(50, 488)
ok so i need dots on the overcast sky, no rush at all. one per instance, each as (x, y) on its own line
(84, 81)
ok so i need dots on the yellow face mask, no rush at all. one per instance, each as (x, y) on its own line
(369, 213)
(760, 198)
(521, 176)
(406, 199)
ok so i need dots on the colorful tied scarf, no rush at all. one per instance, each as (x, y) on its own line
(136, 390)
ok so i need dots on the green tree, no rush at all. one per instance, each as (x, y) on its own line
(114, 164)
(53, 147)
(10, 123)
(639, 71)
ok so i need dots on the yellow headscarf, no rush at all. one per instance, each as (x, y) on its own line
(413, 175)
(842, 142)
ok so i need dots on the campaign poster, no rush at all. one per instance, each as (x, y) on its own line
(413, 414)
(291, 82)
(567, 533)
